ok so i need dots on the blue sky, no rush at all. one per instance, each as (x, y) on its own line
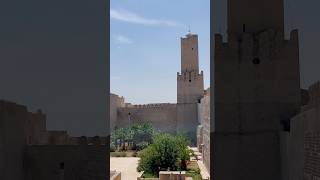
(145, 46)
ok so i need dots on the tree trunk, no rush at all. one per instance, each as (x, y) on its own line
(184, 164)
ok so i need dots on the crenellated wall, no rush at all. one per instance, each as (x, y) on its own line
(115, 103)
(50, 162)
(257, 91)
(37, 130)
(162, 116)
(29, 152)
(189, 87)
(13, 139)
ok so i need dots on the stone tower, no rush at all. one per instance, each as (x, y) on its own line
(189, 86)
(256, 91)
(189, 81)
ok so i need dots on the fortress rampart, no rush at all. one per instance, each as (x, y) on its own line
(146, 106)
(162, 116)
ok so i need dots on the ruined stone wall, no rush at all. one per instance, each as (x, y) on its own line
(257, 90)
(89, 140)
(29, 152)
(57, 137)
(36, 128)
(73, 162)
(163, 117)
(115, 103)
(13, 139)
(18, 128)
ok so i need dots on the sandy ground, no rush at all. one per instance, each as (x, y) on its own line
(127, 166)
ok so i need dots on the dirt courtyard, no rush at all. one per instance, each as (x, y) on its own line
(127, 166)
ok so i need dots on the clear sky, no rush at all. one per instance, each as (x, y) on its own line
(145, 46)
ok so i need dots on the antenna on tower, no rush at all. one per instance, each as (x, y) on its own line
(189, 29)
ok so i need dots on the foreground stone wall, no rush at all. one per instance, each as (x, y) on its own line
(18, 128)
(294, 145)
(57, 137)
(300, 146)
(81, 162)
(29, 152)
(163, 117)
(304, 142)
(13, 139)
(36, 128)
(249, 109)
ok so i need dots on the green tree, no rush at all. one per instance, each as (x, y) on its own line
(184, 152)
(164, 153)
(142, 134)
(120, 135)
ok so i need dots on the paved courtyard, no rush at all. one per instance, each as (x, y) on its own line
(127, 166)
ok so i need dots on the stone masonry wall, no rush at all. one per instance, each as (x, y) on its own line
(115, 103)
(248, 107)
(311, 127)
(162, 116)
(303, 141)
(73, 162)
(13, 139)
(204, 118)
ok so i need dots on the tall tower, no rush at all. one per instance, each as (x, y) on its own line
(189, 86)
(190, 82)
(256, 91)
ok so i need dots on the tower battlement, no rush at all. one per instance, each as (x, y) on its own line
(257, 89)
(187, 76)
(260, 38)
(252, 16)
(144, 106)
(189, 80)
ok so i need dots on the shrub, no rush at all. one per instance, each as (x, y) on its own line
(135, 154)
(128, 138)
(112, 147)
(166, 152)
(141, 146)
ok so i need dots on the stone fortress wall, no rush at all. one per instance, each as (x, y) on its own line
(74, 161)
(115, 103)
(303, 140)
(162, 116)
(166, 117)
(257, 91)
(13, 139)
(28, 151)
(265, 126)
(203, 133)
